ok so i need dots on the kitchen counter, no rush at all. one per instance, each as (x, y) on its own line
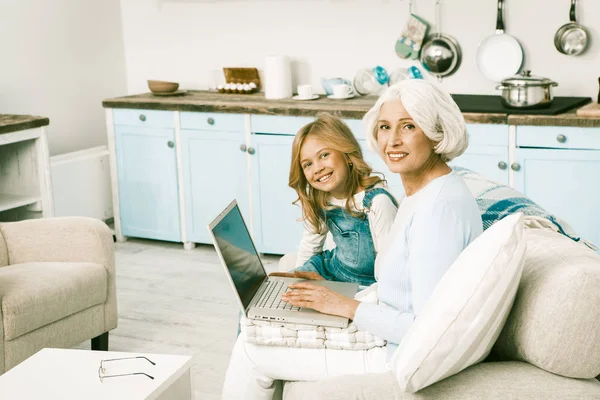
(12, 123)
(204, 101)
(566, 119)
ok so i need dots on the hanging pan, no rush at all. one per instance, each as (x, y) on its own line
(571, 39)
(440, 55)
(499, 56)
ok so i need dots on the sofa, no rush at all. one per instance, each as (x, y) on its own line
(57, 286)
(549, 347)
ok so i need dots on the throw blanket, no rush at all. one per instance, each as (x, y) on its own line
(497, 201)
(310, 336)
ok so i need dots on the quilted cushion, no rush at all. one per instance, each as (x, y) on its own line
(36, 294)
(555, 321)
(466, 311)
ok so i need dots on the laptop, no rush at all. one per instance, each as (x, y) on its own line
(258, 294)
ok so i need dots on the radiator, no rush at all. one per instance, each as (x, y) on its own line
(81, 184)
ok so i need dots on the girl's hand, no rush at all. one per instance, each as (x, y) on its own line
(320, 298)
(314, 276)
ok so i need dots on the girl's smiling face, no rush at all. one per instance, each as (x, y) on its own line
(325, 169)
(402, 144)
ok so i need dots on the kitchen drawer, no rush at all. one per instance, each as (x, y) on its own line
(213, 121)
(289, 126)
(558, 137)
(487, 135)
(147, 118)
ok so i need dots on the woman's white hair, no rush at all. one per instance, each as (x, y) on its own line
(432, 109)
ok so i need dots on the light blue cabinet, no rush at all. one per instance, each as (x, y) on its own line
(215, 171)
(147, 178)
(564, 182)
(487, 153)
(275, 218)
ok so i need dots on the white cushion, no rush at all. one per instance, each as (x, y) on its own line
(467, 309)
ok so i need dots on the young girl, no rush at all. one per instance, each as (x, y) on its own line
(339, 195)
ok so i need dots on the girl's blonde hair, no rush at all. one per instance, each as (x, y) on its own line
(337, 136)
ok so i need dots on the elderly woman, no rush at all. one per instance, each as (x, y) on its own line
(417, 129)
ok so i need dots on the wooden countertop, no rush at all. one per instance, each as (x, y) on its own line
(566, 119)
(204, 101)
(12, 123)
(355, 108)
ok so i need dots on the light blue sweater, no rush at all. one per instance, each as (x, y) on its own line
(426, 243)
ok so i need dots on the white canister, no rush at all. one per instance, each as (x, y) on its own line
(278, 77)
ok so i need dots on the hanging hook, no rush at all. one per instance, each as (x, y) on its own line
(410, 6)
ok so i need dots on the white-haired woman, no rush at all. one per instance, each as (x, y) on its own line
(416, 127)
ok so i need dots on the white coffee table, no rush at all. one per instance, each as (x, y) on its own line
(73, 374)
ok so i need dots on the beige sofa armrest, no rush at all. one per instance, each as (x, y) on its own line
(64, 239)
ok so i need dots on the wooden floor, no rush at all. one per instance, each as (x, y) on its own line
(174, 301)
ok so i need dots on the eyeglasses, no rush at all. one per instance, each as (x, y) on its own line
(102, 370)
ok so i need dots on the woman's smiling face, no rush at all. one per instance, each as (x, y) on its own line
(402, 144)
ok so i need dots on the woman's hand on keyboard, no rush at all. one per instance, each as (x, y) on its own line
(320, 298)
(299, 274)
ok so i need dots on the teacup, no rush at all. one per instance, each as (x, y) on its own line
(328, 83)
(342, 90)
(305, 91)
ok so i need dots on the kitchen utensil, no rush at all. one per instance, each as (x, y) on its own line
(410, 41)
(499, 55)
(592, 109)
(371, 81)
(440, 55)
(526, 91)
(571, 39)
(157, 87)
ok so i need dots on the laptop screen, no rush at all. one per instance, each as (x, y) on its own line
(239, 254)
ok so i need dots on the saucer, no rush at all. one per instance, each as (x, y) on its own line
(175, 93)
(314, 97)
(340, 98)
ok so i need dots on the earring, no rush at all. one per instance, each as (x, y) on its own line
(350, 163)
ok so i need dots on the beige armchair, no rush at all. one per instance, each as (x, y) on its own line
(57, 286)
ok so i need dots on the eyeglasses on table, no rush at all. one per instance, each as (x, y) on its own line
(102, 369)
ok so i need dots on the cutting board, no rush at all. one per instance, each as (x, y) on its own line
(589, 110)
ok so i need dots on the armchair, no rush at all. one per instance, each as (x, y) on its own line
(57, 286)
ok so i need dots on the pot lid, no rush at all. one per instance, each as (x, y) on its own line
(524, 78)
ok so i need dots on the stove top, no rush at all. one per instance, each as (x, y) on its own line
(492, 104)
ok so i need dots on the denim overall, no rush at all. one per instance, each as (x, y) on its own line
(353, 258)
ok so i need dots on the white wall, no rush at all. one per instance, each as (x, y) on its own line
(191, 40)
(60, 59)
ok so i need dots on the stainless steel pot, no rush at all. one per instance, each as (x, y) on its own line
(526, 91)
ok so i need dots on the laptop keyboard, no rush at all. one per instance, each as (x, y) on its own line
(271, 297)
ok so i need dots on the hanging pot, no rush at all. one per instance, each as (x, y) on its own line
(440, 54)
(571, 39)
(526, 91)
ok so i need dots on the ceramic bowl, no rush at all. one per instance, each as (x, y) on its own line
(162, 86)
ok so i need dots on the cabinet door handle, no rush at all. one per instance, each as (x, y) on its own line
(142, 117)
(210, 121)
(515, 166)
(170, 144)
(502, 165)
(561, 138)
(243, 147)
(251, 150)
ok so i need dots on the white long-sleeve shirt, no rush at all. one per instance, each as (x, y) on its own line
(432, 228)
(381, 217)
